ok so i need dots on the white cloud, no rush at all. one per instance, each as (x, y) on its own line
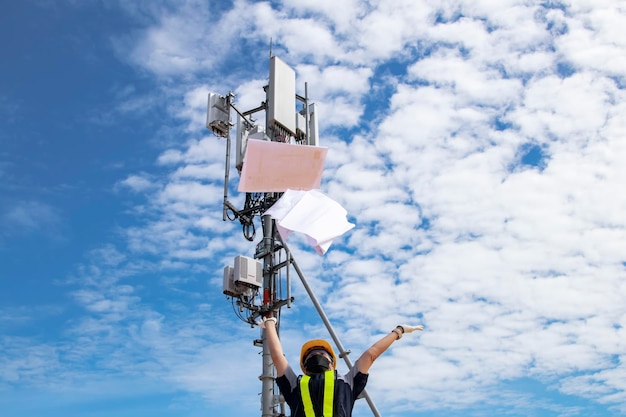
(571, 109)
(28, 217)
(387, 29)
(137, 183)
(481, 86)
(593, 39)
(341, 16)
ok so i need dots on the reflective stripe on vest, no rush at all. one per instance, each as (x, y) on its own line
(329, 394)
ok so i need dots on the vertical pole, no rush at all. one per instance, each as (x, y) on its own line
(227, 170)
(267, 377)
(307, 116)
(288, 279)
(267, 395)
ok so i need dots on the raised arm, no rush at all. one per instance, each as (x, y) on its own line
(273, 343)
(370, 355)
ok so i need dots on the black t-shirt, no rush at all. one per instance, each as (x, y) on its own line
(347, 388)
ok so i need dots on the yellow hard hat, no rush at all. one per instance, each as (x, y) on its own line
(317, 344)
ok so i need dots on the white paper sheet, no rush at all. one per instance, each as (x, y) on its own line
(319, 217)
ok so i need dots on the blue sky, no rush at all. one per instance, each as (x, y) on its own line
(477, 146)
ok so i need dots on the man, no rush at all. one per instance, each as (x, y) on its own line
(320, 391)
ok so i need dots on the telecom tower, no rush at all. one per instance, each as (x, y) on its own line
(262, 283)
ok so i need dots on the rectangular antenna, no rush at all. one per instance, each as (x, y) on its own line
(218, 115)
(248, 272)
(281, 96)
(229, 283)
(245, 132)
(314, 139)
(240, 144)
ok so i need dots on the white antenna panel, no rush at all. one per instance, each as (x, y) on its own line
(229, 283)
(243, 134)
(314, 138)
(281, 101)
(301, 122)
(218, 115)
(248, 272)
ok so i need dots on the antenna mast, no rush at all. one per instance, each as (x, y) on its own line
(255, 285)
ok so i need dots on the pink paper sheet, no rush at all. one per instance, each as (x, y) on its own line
(276, 167)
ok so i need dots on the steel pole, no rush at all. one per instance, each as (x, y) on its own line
(267, 377)
(229, 100)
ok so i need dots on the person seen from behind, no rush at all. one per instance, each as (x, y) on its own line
(320, 391)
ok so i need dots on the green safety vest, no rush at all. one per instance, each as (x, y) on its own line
(329, 395)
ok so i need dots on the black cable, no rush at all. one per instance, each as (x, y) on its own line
(246, 231)
(235, 215)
